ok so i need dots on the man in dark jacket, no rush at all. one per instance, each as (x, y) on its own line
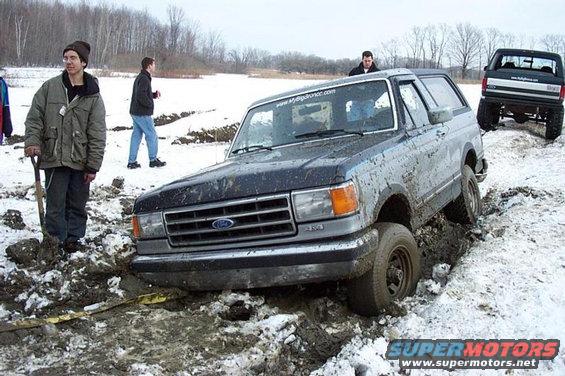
(66, 126)
(367, 65)
(5, 119)
(141, 109)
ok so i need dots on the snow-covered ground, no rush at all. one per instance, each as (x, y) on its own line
(509, 284)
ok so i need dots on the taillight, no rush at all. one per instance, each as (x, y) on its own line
(562, 93)
(484, 85)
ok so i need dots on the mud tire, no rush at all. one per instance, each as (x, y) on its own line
(485, 116)
(466, 208)
(393, 275)
(554, 124)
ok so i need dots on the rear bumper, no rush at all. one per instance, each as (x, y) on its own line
(260, 267)
(519, 101)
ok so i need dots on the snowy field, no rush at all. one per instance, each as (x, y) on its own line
(507, 284)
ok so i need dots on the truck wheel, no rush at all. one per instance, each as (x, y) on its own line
(554, 124)
(466, 208)
(393, 275)
(485, 116)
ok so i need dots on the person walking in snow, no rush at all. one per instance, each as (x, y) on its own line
(141, 109)
(367, 65)
(66, 127)
(5, 119)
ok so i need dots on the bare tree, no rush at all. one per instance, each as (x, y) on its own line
(389, 53)
(176, 19)
(552, 42)
(465, 46)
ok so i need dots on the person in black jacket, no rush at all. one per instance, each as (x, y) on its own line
(367, 65)
(141, 109)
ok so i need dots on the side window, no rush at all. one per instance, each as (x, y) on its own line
(414, 104)
(442, 92)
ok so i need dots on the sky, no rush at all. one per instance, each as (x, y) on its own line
(344, 28)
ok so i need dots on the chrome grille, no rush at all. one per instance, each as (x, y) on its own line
(253, 218)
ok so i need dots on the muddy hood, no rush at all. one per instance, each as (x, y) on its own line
(262, 172)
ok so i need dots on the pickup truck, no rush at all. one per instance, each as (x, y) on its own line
(523, 85)
(323, 183)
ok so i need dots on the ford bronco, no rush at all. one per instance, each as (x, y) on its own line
(524, 85)
(323, 183)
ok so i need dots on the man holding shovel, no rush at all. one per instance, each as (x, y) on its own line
(66, 128)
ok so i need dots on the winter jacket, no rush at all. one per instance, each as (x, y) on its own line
(142, 96)
(360, 70)
(69, 134)
(5, 118)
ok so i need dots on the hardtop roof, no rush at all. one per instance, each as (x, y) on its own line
(348, 80)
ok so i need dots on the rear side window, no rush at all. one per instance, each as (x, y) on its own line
(442, 92)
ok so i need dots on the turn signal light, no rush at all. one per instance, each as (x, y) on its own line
(562, 93)
(344, 200)
(135, 225)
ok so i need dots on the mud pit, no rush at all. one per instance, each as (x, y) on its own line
(284, 330)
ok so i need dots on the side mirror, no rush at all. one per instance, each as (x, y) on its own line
(485, 68)
(440, 115)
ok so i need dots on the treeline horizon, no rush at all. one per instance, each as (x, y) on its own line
(34, 32)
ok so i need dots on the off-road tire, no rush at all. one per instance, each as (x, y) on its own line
(485, 116)
(554, 124)
(393, 275)
(466, 208)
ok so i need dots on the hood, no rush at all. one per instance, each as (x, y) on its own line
(299, 166)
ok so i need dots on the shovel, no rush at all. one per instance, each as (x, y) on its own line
(35, 161)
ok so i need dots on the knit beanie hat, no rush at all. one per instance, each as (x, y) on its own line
(81, 48)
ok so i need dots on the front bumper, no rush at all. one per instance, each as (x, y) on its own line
(261, 267)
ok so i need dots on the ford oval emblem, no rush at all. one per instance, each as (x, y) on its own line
(223, 223)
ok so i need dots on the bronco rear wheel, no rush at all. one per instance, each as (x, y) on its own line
(393, 275)
(486, 115)
(554, 123)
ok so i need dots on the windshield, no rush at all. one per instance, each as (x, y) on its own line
(340, 111)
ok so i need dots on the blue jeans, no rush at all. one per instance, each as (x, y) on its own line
(143, 125)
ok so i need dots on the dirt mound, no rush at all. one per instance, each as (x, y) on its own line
(168, 119)
(221, 134)
(13, 219)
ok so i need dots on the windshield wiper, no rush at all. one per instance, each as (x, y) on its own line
(327, 132)
(251, 148)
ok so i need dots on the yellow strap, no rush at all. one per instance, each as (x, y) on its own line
(145, 299)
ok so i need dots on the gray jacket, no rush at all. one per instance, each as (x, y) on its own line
(69, 134)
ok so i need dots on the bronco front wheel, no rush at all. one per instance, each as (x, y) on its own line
(393, 275)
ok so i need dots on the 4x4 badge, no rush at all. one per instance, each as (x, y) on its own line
(223, 223)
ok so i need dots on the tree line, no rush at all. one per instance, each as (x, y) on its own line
(34, 31)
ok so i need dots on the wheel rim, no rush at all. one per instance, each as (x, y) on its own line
(474, 197)
(398, 272)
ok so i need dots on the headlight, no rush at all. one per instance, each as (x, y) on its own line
(324, 203)
(148, 225)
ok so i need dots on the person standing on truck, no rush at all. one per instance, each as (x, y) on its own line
(66, 127)
(367, 65)
(141, 109)
(5, 119)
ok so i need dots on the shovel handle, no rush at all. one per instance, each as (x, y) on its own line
(36, 161)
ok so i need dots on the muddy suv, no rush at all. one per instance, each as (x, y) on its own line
(323, 183)
(523, 85)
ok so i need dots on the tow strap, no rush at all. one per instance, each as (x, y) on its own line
(146, 299)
